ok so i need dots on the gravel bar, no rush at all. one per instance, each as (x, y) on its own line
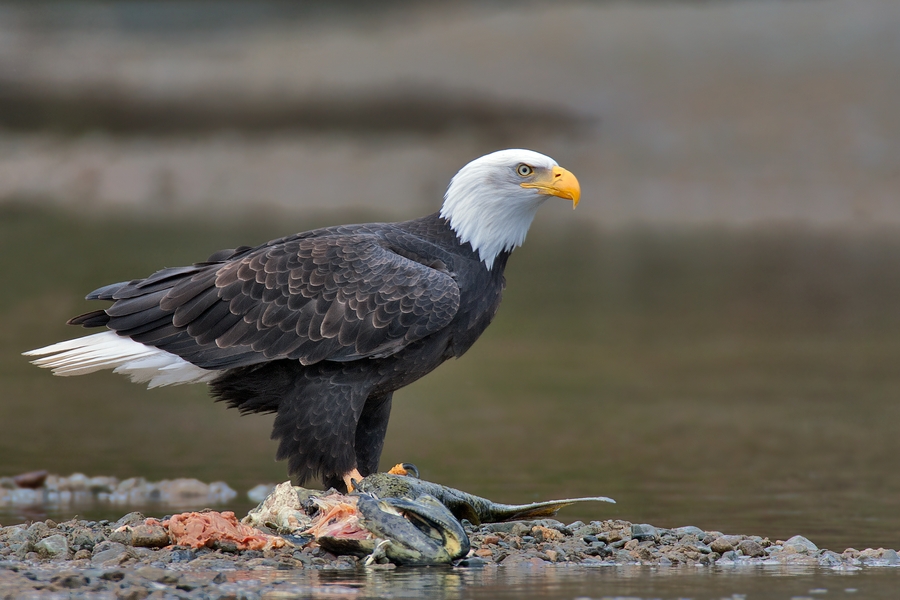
(130, 559)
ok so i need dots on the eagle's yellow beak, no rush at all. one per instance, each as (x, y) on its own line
(560, 183)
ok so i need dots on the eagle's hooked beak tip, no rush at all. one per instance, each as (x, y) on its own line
(561, 183)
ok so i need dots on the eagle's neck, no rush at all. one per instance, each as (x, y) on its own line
(486, 218)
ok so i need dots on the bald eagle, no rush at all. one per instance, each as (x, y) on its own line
(322, 327)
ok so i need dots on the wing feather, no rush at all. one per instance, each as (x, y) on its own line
(341, 295)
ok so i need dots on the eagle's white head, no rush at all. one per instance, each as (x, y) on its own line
(491, 202)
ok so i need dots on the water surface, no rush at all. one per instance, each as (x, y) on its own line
(744, 381)
(622, 582)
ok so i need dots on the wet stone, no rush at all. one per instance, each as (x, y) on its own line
(149, 536)
(546, 534)
(644, 532)
(689, 530)
(592, 528)
(801, 545)
(37, 532)
(82, 538)
(178, 554)
(106, 552)
(751, 549)
(730, 556)
(830, 559)
(54, 546)
(31, 480)
(725, 543)
(130, 520)
(521, 528)
(122, 536)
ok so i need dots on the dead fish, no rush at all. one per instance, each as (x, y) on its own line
(403, 531)
(400, 518)
(462, 505)
(406, 532)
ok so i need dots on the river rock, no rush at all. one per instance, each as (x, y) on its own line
(31, 480)
(54, 546)
(83, 538)
(689, 530)
(149, 536)
(751, 548)
(108, 552)
(130, 520)
(799, 545)
(830, 559)
(643, 532)
(725, 543)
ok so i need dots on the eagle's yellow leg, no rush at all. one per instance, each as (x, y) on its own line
(350, 477)
(407, 469)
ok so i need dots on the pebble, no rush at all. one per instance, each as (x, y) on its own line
(32, 480)
(54, 546)
(725, 543)
(644, 532)
(108, 552)
(751, 548)
(800, 545)
(149, 536)
(689, 530)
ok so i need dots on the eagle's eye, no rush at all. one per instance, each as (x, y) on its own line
(524, 170)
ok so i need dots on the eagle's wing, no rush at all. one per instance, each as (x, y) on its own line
(332, 297)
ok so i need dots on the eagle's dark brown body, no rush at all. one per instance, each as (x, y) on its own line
(319, 327)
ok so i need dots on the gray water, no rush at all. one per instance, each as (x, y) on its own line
(621, 582)
(744, 381)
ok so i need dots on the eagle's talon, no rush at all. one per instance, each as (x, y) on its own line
(352, 479)
(407, 469)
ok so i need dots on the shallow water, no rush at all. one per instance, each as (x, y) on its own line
(741, 381)
(606, 582)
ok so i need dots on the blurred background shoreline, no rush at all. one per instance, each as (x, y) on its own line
(671, 113)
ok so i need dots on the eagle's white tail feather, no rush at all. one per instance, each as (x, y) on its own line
(107, 350)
